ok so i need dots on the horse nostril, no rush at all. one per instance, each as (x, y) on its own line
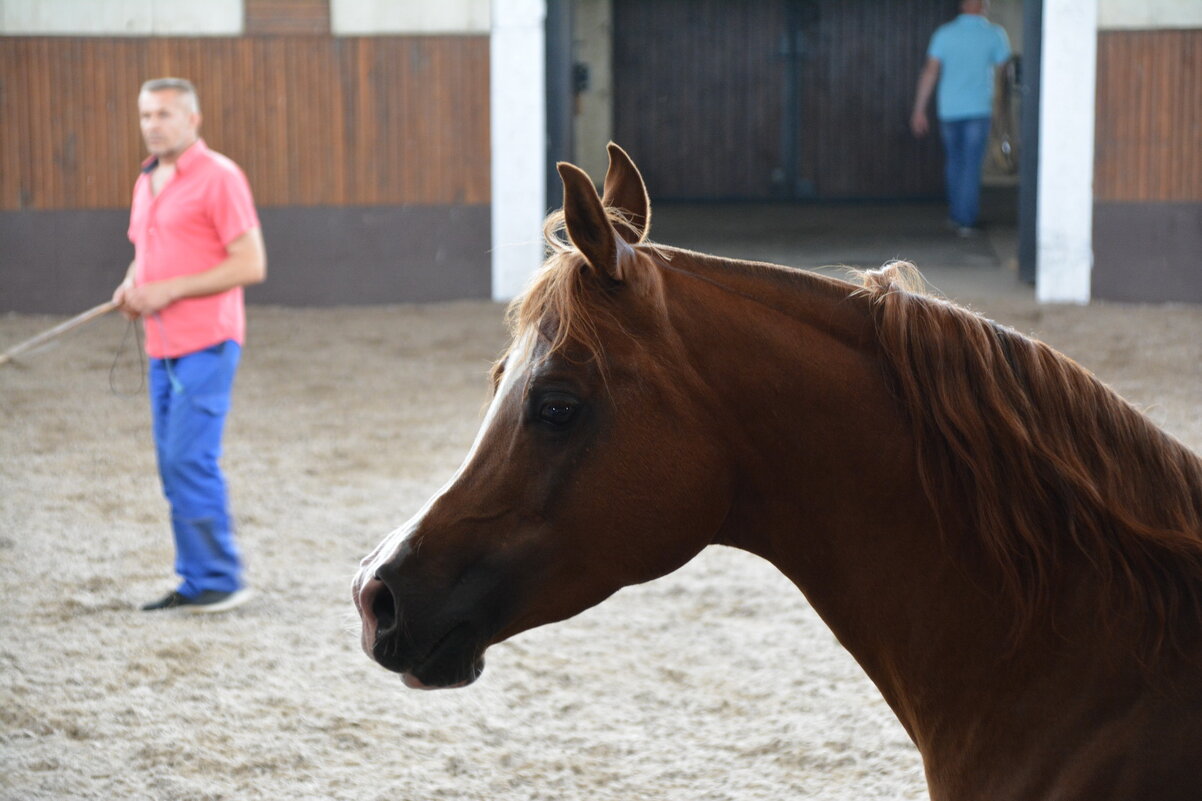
(383, 606)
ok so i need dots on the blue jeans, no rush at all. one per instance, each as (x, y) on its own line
(964, 144)
(189, 399)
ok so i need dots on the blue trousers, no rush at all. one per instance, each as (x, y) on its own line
(964, 144)
(189, 400)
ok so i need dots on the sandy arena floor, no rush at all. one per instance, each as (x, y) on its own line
(717, 682)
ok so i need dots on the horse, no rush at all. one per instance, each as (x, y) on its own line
(1009, 550)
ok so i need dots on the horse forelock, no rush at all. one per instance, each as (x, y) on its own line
(1043, 458)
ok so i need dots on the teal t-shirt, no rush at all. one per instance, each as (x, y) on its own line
(968, 49)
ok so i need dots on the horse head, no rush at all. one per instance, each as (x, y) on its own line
(591, 469)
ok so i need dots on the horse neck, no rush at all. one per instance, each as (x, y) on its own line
(826, 485)
(826, 488)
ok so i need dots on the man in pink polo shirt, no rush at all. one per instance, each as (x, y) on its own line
(196, 244)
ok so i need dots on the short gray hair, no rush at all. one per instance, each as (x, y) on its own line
(181, 85)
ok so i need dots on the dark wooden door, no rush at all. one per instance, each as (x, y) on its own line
(765, 99)
(697, 94)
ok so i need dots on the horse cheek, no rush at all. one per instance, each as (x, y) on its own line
(676, 505)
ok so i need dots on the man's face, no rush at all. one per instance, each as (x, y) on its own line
(169, 124)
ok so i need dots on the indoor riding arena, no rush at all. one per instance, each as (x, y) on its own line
(366, 375)
(715, 682)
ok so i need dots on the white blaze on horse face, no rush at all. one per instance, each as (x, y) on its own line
(517, 365)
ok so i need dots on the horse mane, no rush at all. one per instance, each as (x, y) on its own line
(1048, 462)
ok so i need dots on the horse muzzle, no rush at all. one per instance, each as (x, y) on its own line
(429, 651)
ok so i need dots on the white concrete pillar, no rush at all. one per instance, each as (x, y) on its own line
(518, 130)
(1064, 225)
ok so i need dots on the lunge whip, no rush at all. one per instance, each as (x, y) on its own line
(58, 330)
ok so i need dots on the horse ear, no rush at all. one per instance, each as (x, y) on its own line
(625, 190)
(588, 227)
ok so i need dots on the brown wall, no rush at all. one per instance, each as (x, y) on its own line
(392, 124)
(1148, 166)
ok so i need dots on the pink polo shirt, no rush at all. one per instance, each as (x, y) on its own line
(185, 230)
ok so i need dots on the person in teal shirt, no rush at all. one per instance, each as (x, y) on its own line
(962, 59)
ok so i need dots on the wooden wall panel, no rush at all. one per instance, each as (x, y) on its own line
(314, 121)
(1149, 117)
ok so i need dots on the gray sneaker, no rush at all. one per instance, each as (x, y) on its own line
(207, 602)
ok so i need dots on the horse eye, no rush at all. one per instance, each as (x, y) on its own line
(557, 412)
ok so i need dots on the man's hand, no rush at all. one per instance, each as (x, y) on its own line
(147, 299)
(141, 301)
(119, 298)
(920, 126)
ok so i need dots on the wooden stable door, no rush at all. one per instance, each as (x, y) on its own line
(784, 99)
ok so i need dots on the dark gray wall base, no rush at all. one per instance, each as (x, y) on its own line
(1147, 252)
(62, 262)
(328, 256)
